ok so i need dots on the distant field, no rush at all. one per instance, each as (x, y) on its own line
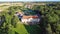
(4, 6)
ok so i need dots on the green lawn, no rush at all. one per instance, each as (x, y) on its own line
(25, 29)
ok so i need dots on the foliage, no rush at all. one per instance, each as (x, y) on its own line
(50, 14)
(50, 20)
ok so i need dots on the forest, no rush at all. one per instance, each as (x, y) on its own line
(49, 24)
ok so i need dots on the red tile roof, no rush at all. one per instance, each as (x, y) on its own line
(27, 17)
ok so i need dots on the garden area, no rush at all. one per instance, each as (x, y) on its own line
(12, 25)
(26, 29)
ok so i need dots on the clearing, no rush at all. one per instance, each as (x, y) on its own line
(26, 29)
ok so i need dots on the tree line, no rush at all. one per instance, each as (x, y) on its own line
(50, 18)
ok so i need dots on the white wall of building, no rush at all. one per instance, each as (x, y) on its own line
(30, 20)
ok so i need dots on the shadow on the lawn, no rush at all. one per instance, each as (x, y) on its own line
(33, 29)
(16, 32)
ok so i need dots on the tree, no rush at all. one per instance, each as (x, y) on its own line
(14, 21)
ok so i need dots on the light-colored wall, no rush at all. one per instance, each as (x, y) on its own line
(30, 20)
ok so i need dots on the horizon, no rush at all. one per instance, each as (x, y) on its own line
(30, 0)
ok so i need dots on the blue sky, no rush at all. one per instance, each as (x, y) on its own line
(29, 0)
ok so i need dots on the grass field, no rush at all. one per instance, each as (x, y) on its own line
(26, 29)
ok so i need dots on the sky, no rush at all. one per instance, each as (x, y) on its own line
(29, 0)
